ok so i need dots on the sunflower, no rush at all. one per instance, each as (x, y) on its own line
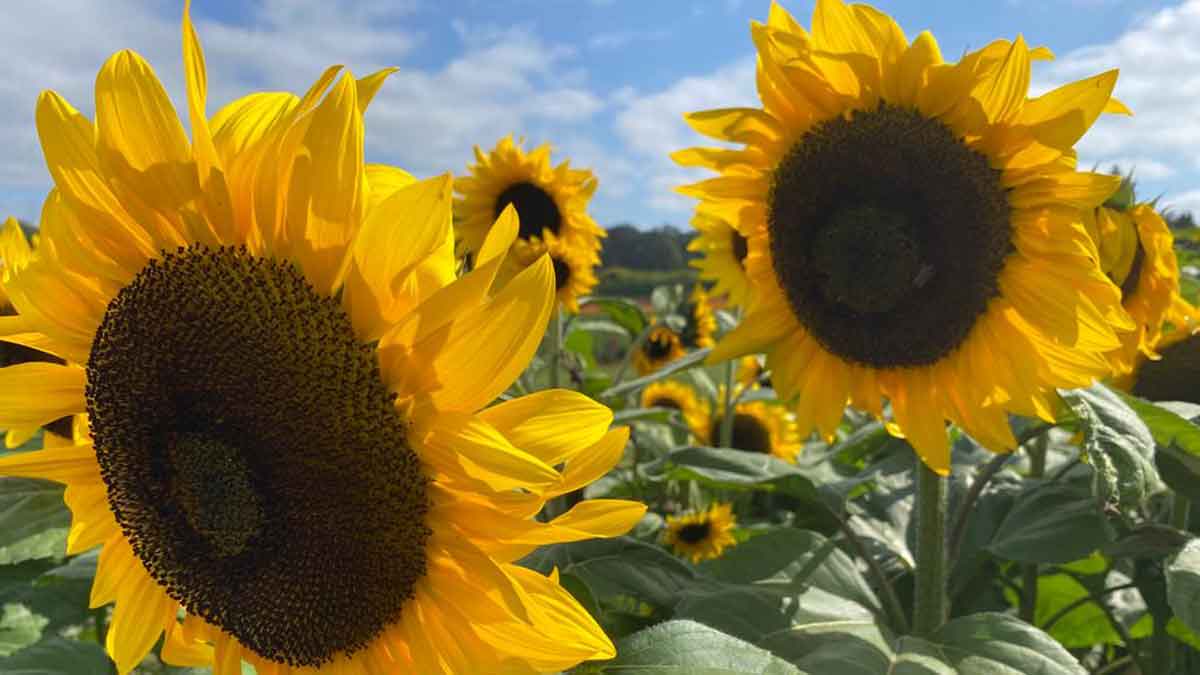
(1171, 369)
(677, 396)
(574, 273)
(701, 322)
(914, 228)
(758, 426)
(15, 252)
(546, 197)
(749, 371)
(661, 346)
(722, 258)
(702, 535)
(1137, 252)
(290, 461)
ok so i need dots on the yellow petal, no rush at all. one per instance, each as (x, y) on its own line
(369, 86)
(1003, 93)
(326, 196)
(1060, 117)
(14, 248)
(68, 464)
(396, 238)
(552, 425)
(137, 621)
(737, 125)
(32, 394)
(462, 446)
(594, 463)
(473, 360)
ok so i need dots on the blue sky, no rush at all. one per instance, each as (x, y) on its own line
(605, 81)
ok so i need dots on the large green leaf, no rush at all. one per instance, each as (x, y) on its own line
(1183, 585)
(19, 628)
(690, 361)
(1178, 440)
(626, 314)
(1118, 444)
(999, 644)
(58, 656)
(1052, 523)
(726, 469)
(28, 507)
(690, 648)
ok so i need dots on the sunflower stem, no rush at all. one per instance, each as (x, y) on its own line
(1180, 509)
(556, 346)
(727, 407)
(1029, 571)
(929, 612)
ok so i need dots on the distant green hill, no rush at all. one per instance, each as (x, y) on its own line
(634, 261)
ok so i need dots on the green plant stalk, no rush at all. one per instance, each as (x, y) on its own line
(1180, 507)
(556, 346)
(727, 407)
(1162, 655)
(1029, 571)
(891, 601)
(929, 612)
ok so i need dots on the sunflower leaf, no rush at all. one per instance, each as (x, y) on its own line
(19, 628)
(1052, 523)
(626, 314)
(1177, 438)
(690, 648)
(1119, 446)
(55, 656)
(1183, 585)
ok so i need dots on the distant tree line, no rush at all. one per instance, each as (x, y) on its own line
(662, 248)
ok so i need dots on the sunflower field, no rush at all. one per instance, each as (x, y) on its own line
(932, 405)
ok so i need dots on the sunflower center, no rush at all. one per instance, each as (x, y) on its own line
(665, 402)
(562, 273)
(740, 248)
(658, 345)
(1174, 376)
(253, 456)
(694, 533)
(887, 236)
(535, 207)
(749, 434)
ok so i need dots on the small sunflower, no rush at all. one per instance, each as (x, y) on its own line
(574, 273)
(1171, 372)
(661, 346)
(703, 535)
(677, 396)
(749, 371)
(758, 426)
(722, 258)
(1137, 252)
(701, 322)
(546, 197)
(15, 253)
(914, 228)
(293, 457)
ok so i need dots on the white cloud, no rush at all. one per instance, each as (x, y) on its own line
(1159, 59)
(504, 80)
(1184, 201)
(619, 39)
(652, 127)
(1142, 167)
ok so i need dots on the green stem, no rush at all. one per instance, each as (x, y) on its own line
(727, 408)
(1162, 656)
(1029, 571)
(1180, 507)
(556, 346)
(929, 612)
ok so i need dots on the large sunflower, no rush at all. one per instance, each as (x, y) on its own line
(701, 535)
(1137, 251)
(284, 389)
(722, 258)
(574, 271)
(914, 227)
(546, 197)
(758, 426)
(15, 252)
(676, 395)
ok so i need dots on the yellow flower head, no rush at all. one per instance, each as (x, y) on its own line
(914, 227)
(749, 370)
(1171, 371)
(1137, 252)
(701, 535)
(546, 197)
(722, 258)
(758, 426)
(679, 396)
(574, 272)
(294, 458)
(661, 346)
(701, 321)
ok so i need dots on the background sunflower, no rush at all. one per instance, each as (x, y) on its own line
(722, 258)
(702, 535)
